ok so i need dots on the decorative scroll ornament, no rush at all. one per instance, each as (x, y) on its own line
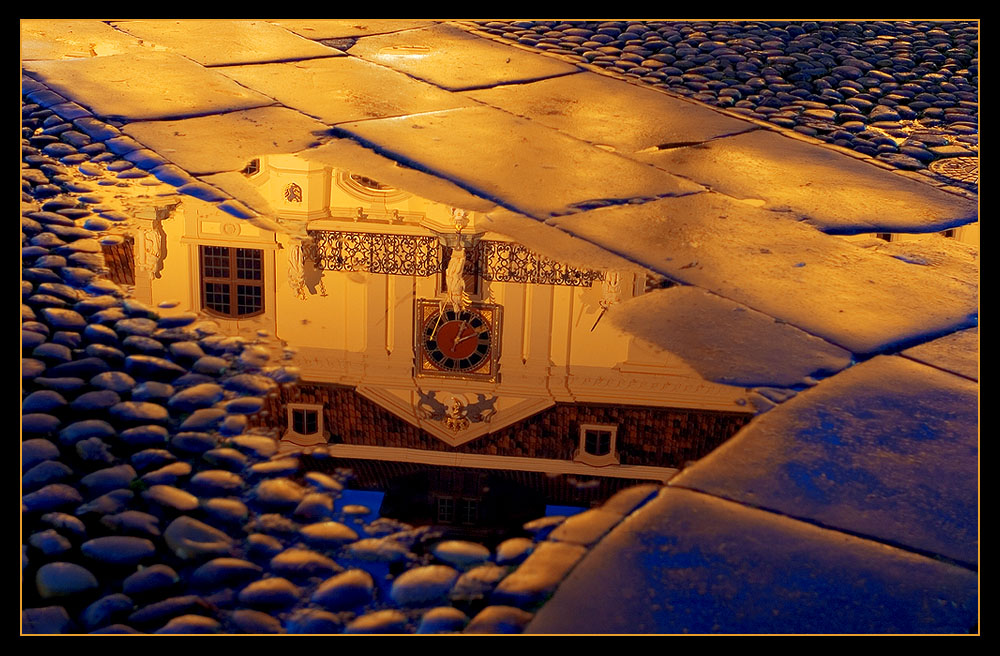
(456, 418)
(293, 193)
(296, 270)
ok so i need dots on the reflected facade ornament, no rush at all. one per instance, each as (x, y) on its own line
(293, 193)
(296, 270)
(149, 251)
(456, 418)
(455, 279)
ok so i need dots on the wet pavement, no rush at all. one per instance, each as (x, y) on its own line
(151, 506)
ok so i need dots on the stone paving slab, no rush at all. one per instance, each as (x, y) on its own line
(227, 142)
(727, 342)
(50, 38)
(453, 59)
(887, 449)
(820, 283)
(836, 193)
(957, 353)
(690, 563)
(612, 113)
(338, 29)
(341, 89)
(522, 165)
(346, 154)
(144, 86)
(219, 42)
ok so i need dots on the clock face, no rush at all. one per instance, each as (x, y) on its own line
(457, 341)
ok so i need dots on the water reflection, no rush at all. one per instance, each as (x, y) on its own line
(462, 373)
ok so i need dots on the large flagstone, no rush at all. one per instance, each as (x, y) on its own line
(454, 59)
(690, 563)
(518, 163)
(219, 42)
(612, 113)
(227, 142)
(339, 89)
(957, 353)
(144, 86)
(857, 299)
(329, 28)
(835, 192)
(726, 342)
(887, 449)
(76, 38)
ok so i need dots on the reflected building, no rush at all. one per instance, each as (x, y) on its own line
(470, 377)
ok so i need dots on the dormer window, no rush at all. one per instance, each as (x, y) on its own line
(305, 420)
(252, 168)
(597, 445)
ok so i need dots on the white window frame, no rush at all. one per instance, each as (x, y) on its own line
(318, 409)
(611, 458)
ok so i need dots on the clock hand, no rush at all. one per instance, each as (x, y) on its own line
(458, 335)
(469, 336)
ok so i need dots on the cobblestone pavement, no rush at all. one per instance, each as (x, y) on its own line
(904, 92)
(147, 506)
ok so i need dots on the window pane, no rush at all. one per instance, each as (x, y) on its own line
(312, 422)
(248, 264)
(468, 511)
(298, 421)
(598, 443)
(445, 509)
(249, 299)
(217, 297)
(216, 261)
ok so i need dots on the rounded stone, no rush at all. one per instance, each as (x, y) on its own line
(423, 586)
(345, 591)
(254, 621)
(37, 450)
(190, 624)
(314, 621)
(499, 619)
(380, 621)
(148, 582)
(225, 572)
(298, 563)
(119, 550)
(61, 579)
(133, 522)
(45, 473)
(191, 539)
(278, 493)
(170, 497)
(107, 610)
(116, 381)
(273, 592)
(226, 510)
(216, 482)
(50, 542)
(141, 437)
(139, 411)
(104, 480)
(51, 497)
(460, 553)
(198, 396)
(443, 619)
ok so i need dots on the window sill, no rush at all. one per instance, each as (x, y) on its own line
(595, 461)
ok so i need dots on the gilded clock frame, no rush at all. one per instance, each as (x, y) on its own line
(425, 309)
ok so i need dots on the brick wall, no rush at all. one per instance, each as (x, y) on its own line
(661, 437)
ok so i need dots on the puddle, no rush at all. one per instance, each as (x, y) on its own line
(449, 367)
